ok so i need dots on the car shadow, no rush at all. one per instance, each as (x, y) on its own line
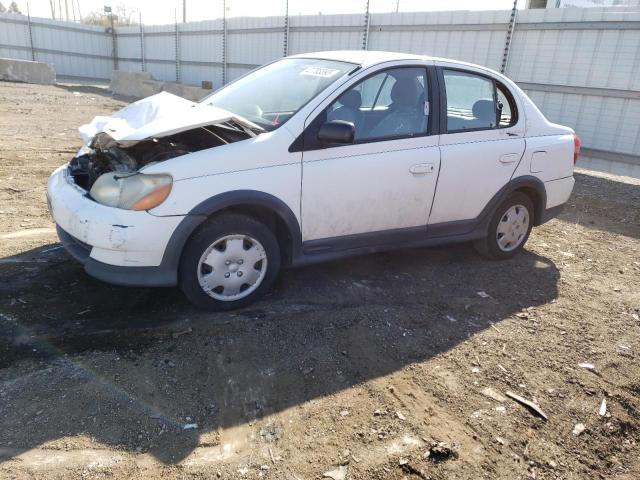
(120, 361)
(620, 214)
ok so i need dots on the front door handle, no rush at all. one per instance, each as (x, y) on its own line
(421, 168)
(508, 158)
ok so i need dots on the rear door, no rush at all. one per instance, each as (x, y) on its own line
(481, 144)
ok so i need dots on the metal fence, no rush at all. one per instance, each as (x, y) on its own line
(580, 66)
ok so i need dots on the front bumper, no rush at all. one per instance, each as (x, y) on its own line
(118, 246)
(164, 275)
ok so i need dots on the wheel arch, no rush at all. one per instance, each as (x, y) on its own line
(531, 186)
(262, 206)
(534, 188)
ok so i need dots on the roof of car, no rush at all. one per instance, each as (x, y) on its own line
(361, 57)
(373, 57)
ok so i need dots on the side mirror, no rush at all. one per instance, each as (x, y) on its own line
(337, 131)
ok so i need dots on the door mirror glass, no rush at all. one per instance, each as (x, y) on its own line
(337, 131)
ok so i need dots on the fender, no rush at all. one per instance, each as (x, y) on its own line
(166, 274)
(477, 227)
(198, 214)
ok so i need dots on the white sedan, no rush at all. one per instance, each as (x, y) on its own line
(309, 158)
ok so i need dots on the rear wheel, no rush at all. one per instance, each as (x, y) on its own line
(509, 228)
(230, 262)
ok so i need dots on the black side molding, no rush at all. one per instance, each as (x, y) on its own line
(326, 249)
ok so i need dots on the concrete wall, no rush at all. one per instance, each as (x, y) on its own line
(580, 66)
(141, 84)
(26, 71)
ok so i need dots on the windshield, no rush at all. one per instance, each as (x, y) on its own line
(272, 94)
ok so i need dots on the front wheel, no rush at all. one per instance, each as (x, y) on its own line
(509, 228)
(231, 261)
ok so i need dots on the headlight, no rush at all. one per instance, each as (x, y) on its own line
(131, 192)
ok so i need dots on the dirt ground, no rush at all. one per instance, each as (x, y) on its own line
(388, 366)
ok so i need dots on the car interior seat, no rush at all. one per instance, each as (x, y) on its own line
(404, 116)
(349, 109)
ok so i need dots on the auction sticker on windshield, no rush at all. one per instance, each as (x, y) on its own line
(319, 72)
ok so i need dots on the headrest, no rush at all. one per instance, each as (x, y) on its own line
(351, 99)
(405, 92)
(484, 110)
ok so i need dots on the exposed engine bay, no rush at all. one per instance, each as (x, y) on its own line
(104, 154)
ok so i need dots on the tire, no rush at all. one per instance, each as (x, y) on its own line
(509, 228)
(222, 253)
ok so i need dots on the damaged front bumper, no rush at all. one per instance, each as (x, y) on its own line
(115, 245)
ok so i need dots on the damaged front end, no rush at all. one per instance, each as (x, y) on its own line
(152, 130)
(104, 154)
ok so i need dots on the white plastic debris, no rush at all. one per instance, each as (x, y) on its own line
(189, 426)
(578, 429)
(339, 473)
(603, 408)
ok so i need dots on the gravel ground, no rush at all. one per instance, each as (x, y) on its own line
(388, 366)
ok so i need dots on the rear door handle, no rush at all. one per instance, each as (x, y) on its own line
(421, 168)
(508, 158)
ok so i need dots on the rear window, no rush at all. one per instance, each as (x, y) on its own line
(476, 102)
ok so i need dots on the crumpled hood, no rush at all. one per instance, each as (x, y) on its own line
(159, 115)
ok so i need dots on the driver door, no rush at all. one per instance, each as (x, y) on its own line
(385, 180)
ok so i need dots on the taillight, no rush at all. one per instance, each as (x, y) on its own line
(576, 148)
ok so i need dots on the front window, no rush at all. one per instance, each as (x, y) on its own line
(390, 104)
(272, 94)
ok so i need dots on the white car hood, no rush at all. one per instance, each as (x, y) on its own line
(159, 115)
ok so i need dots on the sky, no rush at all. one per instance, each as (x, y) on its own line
(162, 11)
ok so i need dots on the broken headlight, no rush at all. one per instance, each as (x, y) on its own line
(136, 191)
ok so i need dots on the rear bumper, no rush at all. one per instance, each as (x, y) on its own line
(558, 193)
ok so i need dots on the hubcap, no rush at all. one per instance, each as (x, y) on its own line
(232, 267)
(512, 228)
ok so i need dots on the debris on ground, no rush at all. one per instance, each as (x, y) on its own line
(578, 429)
(603, 408)
(532, 406)
(440, 452)
(410, 469)
(494, 394)
(338, 473)
(588, 366)
(271, 433)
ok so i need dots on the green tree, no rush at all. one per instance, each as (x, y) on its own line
(2, 8)
(13, 8)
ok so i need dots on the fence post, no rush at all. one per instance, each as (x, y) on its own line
(224, 42)
(114, 40)
(33, 53)
(177, 46)
(365, 35)
(286, 29)
(142, 65)
(510, 30)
